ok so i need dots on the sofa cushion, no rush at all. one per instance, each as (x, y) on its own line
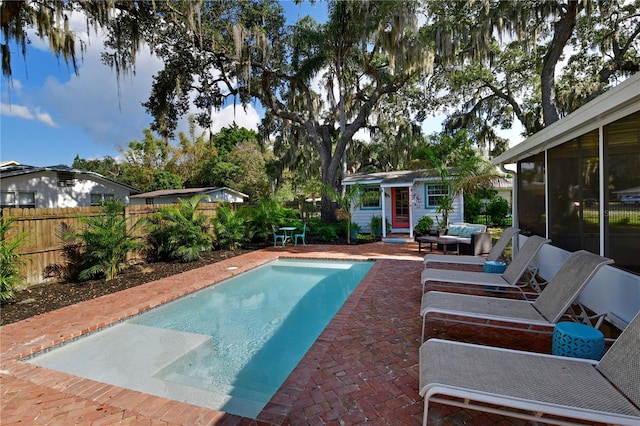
(454, 230)
(466, 231)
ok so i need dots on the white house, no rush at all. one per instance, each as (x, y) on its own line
(171, 196)
(568, 183)
(405, 197)
(61, 186)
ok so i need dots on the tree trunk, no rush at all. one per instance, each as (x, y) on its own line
(561, 34)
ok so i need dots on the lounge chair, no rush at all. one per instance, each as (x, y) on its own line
(509, 278)
(277, 237)
(493, 255)
(552, 303)
(531, 386)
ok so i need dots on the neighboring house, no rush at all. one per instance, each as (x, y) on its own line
(171, 196)
(61, 186)
(568, 180)
(405, 196)
(504, 186)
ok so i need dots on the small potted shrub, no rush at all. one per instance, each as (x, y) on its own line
(376, 226)
(355, 230)
(423, 227)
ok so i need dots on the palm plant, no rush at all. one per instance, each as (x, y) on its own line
(230, 227)
(180, 232)
(10, 277)
(108, 242)
(351, 199)
(72, 254)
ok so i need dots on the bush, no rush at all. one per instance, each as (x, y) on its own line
(180, 232)
(10, 277)
(72, 253)
(268, 211)
(423, 226)
(321, 231)
(498, 209)
(230, 227)
(107, 242)
(472, 209)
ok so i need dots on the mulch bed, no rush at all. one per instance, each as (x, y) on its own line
(43, 298)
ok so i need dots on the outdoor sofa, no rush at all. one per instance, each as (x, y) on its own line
(471, 238)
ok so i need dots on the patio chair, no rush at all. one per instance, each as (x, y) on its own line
(531, 386)
(493, 255)
(277, 237)
(509, 278)
(302, 236)
(552, 303)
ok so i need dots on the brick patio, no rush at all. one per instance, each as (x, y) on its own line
(362, 369)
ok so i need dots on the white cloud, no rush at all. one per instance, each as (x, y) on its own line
(230, 114)
(27, 113)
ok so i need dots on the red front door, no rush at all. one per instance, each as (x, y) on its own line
(400, 207)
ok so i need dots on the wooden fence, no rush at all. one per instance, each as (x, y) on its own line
(41, 247)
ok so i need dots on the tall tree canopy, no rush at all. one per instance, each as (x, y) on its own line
(364, 52)
(500, 59)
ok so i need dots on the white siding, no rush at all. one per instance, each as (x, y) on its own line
(362, 216)
(49, 195)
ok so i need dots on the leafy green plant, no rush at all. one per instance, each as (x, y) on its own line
(230, 227)
(321, 231)
(353, 197)
(498, 209)
(107, 242)
(423, 226)
(180, 232)
(376, 226)
(72, 254)
(267, 211)
(10, 277)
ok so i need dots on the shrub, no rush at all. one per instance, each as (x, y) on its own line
(180, 232)
(267, 212)
(423, 226)
(230, 227)
(472, 209)
(321, 231)
(107, 242)
(72, 253)
(498, 209)
(10, 277)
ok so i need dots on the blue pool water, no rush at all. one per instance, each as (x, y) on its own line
(229, 346)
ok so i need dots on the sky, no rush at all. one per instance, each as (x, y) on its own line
(48, 114)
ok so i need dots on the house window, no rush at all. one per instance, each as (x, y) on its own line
(434, 193)
(99, 199)
(371, 199)
(25, 200)
(8, 199)
(66, 179)
(148, 201)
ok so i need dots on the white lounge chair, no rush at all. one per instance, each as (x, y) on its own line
(494, 254)
(552, 303)
(509, 278)
(532, 386)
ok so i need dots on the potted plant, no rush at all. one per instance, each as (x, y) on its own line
(376, 226)
(423, 227)
(353, 232)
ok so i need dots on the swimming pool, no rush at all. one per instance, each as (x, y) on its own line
(228, 347)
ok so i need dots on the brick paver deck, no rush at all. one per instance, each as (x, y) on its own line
(362, 369)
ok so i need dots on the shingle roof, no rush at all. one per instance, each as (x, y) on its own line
(11, 170)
